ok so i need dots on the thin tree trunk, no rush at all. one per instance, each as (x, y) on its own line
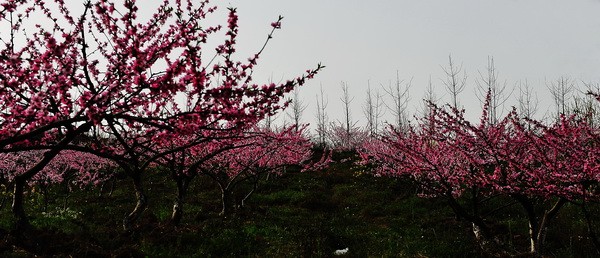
(102, 188)
(532, 219)
(3, 202)
(141, 203)
(104, 185)
(227, 201)
(112, 187)
(481, 230)
(183, 183)
(254, 187)
(545, 222)
(590, 227)
(44, 190)
(177, 210)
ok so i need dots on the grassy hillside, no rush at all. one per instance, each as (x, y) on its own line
(308, 214)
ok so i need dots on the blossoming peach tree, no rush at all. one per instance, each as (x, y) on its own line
(540, 167)
(261, 153)
(69, 169)
(125, 83)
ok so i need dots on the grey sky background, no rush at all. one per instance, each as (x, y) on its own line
(360, 41)
(364, 42)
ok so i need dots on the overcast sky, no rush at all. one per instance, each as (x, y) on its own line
(370, 41)
(363, 42)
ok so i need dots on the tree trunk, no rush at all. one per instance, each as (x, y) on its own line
(22, 222)
(112, 187)
(20, 181)
(2, 202)
(543, 228)
(590, 227)
(538, 228)
(23, 231)
(483, 233)
(104, 185)
(532, 219)
(17, 205)
(254, 187)
(177, 211)
(227, 201)
(183, 183)
(141, 203)
(45, 196)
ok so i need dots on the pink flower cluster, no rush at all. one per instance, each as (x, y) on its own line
(446, 154)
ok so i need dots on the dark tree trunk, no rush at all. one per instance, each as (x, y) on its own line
(112, 187)
(531, 218)
(2, 202)
(538, 228)
(101, 192)
(140, 205)
(22, 222)
(228, 202)
(183, 183)
(44, 189)
(255, 182)
(545, 222)
(483, 233)
(590, 227)
(177, 211)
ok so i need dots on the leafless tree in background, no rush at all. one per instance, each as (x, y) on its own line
(587, 105)
(528, 100)
(347, 123)
(562, 91)
(429, 97)
(373, 110)
(488, 82)
(267, 123)
(399, 93)
(269, 120)
(296, 109)
(455, 81)
(322, 119)
(345, 135)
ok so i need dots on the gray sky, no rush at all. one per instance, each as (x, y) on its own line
(370, 41)
(360, 41)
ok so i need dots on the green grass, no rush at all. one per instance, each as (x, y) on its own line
(309, 214)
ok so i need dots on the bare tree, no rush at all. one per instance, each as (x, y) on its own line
(488, 82)
(428, 97)
(528, 100)
(587, 105)
(373, 110)
(296, 109)
(455, 82)
(345, 135)
(268, 122)
(346, 100)
(399, 93)
(322, 119)
(562, 90)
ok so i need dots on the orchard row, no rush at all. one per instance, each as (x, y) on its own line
(84, 97)
(514, 159)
